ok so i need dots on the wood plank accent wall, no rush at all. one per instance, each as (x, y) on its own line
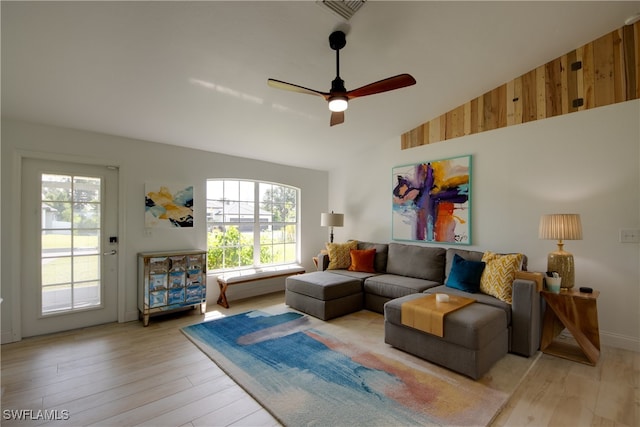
(605, 71)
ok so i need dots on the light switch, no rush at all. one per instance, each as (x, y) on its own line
(629, 235)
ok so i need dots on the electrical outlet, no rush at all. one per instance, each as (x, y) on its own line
(629, 235)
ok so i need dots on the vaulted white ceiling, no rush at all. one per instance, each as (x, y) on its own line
(194, 74)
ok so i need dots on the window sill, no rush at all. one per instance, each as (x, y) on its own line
(251, 274)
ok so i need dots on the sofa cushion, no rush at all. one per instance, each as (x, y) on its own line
(394, 286)
(499, 274)
(323, 285)
(416, 261)
(479, 297)
(472, 327)
(382, 251)
(360, 275)
(339, 254)
(362, 260)
(465, 275)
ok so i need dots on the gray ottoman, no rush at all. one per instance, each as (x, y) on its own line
(475, 337)
(323, 295)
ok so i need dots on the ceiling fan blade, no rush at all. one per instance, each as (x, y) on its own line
(337, 117)
(385, 85)
(295, 88)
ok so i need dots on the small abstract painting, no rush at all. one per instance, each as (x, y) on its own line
(432, 201)
(168, 206)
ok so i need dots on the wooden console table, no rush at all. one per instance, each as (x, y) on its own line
(577, 312)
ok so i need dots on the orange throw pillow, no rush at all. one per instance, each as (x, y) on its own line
(362, 260)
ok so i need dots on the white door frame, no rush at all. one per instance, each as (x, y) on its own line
(16, 243)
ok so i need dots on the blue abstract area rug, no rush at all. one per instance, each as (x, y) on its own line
(303, 374)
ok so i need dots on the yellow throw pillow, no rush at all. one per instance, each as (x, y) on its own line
(340, 254)
(499, 274)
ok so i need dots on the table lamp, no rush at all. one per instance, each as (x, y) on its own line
(331, 220)
(561, 227)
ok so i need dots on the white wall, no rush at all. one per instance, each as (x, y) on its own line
(140, 162)
(586, 162)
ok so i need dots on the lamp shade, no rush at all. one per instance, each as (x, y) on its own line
(560, 227)
(331, 219)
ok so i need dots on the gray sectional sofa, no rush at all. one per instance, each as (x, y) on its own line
(475, 337)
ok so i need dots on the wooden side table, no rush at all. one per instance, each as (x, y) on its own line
(578, 312)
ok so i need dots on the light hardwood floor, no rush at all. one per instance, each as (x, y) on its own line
(125, 374)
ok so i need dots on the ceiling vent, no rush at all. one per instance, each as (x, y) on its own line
(343, 8)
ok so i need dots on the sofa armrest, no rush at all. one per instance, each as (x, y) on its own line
(526, 317)
(323, 261)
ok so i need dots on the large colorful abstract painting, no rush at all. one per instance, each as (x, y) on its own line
(432, 201)
(168, 206)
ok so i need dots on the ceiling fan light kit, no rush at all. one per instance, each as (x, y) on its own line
(338, 97)
(338, 103)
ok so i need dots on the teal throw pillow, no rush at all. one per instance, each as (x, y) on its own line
(465, 275)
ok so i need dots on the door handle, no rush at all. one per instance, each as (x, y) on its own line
(111, 252)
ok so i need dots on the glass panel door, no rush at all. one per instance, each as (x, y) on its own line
(71, 260)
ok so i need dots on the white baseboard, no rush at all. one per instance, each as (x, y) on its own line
(620, 341)
(6, 337)
(130, 316)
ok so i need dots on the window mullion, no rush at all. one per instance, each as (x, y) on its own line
(73, 240)
(256, 224)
